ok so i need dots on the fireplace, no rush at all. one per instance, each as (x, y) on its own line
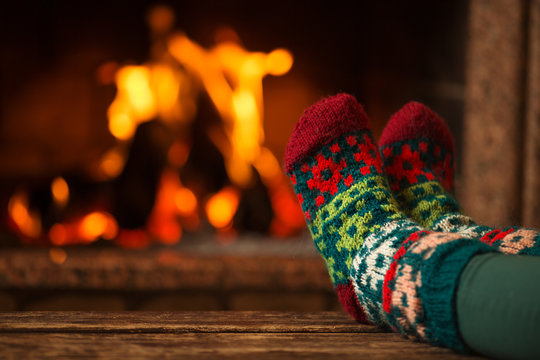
(158, 127)
(139, 122)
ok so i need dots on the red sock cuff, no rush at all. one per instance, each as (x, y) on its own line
(414, 121)
(321, 123)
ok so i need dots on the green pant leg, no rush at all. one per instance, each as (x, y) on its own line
(498, 306)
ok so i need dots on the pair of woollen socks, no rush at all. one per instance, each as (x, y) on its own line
(394, 240)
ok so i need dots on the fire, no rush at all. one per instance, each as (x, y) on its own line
(112, 163)
(232, 77)
(87, 229)
(134, 102)
(58, 234)
(60, 191)
(186, 202)
(166, 89)
(279, 62)
(172, 201)
(93, 226)
(27, 222)
(268, 167)
(221, 207)
(146, 92)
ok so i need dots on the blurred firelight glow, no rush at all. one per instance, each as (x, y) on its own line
(58, 234)
(221, 207)
(60, 191)
(27, 222)
(232, 77)
(93, 225)
(112, 163)
(57, 255)
(166, 89)
(185, 200)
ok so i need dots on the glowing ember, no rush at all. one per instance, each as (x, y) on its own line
(26, 221)
(134, 239)
(95, 225)
(221, 207)
(163, 222)
(112, 163)
(186, 202)
(60, 191)
(58, 235)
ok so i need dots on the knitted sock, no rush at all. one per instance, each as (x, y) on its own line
(418, 153)
(386, 269)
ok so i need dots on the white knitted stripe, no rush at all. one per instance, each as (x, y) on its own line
(465, 226)
(371, 263)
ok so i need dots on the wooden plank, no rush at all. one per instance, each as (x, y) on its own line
(182, 322)
(222, 346)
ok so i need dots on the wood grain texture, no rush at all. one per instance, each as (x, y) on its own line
(202, 335)
(181, 322)
(219, 346)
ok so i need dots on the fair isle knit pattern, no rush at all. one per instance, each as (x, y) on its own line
(372, 262)
(419, 287)
(406, 278)
(418, 150)
(360, 232)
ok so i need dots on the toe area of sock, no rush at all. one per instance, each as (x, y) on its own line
(349, 301)
(321, 123)
(414, 121)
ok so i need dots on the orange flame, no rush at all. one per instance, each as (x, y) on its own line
(232, 77)
(58, 235)
(60, 191)
(186, 202)
(172, 201)
(146, 92)
(89, 228)
(27, 222)
(112, 163)
(221, 207)
(96, 225)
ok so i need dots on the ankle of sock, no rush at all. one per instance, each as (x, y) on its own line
(421, 284)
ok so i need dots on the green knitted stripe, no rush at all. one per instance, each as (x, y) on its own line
(349, 218)
(428, 203)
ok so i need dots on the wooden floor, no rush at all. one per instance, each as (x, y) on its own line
(202, 335)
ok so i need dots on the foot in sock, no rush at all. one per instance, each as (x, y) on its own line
(385, 268)
(418, 150)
